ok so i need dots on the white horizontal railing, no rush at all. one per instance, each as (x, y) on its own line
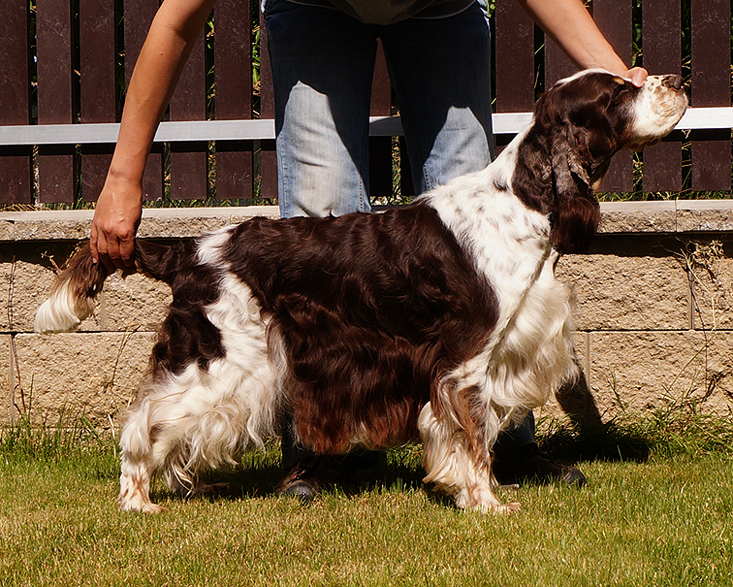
(505, 123)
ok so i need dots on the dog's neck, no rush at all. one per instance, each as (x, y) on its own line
(509, 242)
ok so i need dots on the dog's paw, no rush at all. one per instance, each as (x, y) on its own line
(147, 508)
(140, 505)
(509, 508)
(498, 508)
(152, 508)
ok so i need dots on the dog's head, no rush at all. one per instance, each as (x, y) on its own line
(578, 125)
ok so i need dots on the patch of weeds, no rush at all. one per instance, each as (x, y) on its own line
(69, 438)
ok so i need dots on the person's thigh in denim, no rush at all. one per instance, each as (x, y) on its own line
(322, 63)
(441, 72)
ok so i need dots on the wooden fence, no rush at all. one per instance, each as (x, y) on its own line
(64, 65)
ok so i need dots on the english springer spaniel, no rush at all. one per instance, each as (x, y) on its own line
(441, 321)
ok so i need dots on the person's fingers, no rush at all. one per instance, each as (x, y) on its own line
(113, 251)
(116, 217)
(93, 237)
(102, 253)
(127, 252)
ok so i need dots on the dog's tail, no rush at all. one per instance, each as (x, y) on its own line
(73, 295)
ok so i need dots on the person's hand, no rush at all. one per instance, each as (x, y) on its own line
(116, 218)
(637, 75)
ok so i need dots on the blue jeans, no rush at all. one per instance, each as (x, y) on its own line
(323, 63)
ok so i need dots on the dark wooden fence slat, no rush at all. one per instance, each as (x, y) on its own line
(15, 177)
(710, 86)
(268, 159)
(380, 148)
(15, 165)
(662, 54)
(14, 63)
(662, 40)
(98, 59)
(139, 15)
(53, 29)
(98, 85)
(232, 58)
(557, 64)
(233, 82)
(514, 57)
(55, 164)
(614, 21)
(189, 179)
(234, 174)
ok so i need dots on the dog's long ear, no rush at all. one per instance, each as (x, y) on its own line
(576, 212)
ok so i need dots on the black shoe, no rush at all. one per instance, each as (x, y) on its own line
(306, 478)
(309, 476)
(529, 463)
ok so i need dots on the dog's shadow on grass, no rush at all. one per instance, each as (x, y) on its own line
(596, 442)
(259, 475)
(585, 436)
(401, 469)
(263, 482)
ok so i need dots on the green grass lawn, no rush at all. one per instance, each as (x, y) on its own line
(663, 518)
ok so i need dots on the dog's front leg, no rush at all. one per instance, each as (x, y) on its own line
(137, 462)
(135, 487)
(456, 467)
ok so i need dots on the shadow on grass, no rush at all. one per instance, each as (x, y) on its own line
(258, 476)
(401, 469)
(605, 442)
(263, 481)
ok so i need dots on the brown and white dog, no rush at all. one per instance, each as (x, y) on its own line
(441, 321)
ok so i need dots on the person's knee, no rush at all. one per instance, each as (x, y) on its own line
(321, 172)
(463, 145)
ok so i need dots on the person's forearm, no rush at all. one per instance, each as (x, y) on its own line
(167, 46)
(571, 26)
(117, 214)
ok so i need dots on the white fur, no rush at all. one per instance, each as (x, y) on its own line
(451, 465)
(62, 311)
(656, 112)
(210, 245)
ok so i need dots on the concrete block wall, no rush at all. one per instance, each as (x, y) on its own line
(653, 316)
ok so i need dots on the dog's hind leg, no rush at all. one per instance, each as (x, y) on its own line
(153, 440)
(456, 466)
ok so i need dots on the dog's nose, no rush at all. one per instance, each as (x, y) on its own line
(673, 81)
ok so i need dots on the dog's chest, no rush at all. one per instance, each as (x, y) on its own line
(543, 318)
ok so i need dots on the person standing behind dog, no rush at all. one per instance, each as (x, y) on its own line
(322, 56)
